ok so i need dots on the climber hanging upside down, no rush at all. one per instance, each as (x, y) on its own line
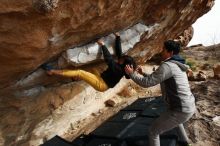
(110, 77)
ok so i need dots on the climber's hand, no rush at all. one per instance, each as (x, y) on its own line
(100, 42)
(129, 69)
(116, 34)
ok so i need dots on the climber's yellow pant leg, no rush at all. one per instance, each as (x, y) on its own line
(94, 80)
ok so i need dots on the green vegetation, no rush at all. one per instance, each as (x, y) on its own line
(192, 64)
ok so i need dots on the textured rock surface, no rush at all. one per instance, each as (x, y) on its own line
(90, 52)
(216, 70)
(33, 32)
(186, 36)
(30, 120)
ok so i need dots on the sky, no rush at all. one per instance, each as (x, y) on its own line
(207, 27)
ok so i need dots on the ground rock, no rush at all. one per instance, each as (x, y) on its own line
(216, 70)
(113, 101)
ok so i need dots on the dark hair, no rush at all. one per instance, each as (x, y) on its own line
(128, 60)
(171, 45)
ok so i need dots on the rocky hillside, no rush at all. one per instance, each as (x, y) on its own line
(204, 127)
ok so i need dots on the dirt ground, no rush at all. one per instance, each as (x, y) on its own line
(203, 128)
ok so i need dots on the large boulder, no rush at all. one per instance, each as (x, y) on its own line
(34, 106)
(34, 31)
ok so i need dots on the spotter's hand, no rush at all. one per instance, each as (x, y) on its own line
(139, 70)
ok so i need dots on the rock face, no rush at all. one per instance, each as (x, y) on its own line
(90, 52)
(33, 32)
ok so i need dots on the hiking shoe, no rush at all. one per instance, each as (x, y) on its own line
(47, 67)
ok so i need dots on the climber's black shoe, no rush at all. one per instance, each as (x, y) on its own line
(47, 67)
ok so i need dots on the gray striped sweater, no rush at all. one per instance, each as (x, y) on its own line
(172, 77)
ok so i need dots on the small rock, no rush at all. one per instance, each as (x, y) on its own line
(72, 127)
(216, 121)
(101, 111)
(94, 114)
(201, 76)
(128, 92)
(113, 102)
(206, 66)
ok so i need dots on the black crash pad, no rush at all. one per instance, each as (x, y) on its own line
(140, 128)
(144, 120)
(145, 142)
(143, 103)
(125, 116)
(57, 141)
(153, 111)
(111, 130)
(80, 140)
(105, 142)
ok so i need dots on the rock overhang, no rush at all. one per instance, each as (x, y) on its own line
(32, 32)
